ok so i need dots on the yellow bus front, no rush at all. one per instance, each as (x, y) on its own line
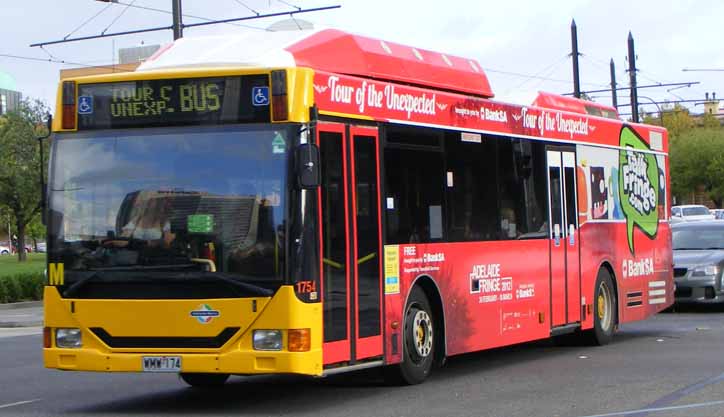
(180, 237)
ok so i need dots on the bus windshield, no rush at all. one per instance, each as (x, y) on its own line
(171, 199)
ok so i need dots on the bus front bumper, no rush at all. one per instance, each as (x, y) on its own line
(240, 362)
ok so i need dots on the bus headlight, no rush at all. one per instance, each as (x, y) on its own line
(68, 338)
(705, 271)
(267, 340)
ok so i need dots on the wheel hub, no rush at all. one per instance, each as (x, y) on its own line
(423, 334)
(605, 306)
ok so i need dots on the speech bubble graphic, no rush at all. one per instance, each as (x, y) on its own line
(638, 185)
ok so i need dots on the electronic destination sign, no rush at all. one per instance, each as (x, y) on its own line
(173, 102)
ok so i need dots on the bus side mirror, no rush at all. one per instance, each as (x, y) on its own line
(306, 158)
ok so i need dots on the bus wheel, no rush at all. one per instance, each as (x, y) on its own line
(418, 342)
(204, 380)
(604, 310)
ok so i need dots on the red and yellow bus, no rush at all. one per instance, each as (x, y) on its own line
(319, 202)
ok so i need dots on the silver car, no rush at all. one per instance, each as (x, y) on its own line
(698, 261)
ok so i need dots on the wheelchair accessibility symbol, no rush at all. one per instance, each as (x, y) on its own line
(260, 96)
(85, 105)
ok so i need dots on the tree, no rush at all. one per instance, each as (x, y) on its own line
(35, 230)
(697, 161)
(677, 120)
(20, 164)
(709, 121)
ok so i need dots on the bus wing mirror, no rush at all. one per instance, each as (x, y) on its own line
(307, 166)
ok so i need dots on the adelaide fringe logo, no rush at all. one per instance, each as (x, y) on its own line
(638, 185)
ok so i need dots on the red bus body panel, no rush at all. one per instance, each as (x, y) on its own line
(512, 299)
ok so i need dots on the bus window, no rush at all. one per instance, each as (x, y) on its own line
(471, 189)
(415, 183)
(522, 188)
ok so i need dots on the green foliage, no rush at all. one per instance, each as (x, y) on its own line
(710, 122)
(20, 164)
(22, 281)
(35, 230)
(677, 121)
(23, 287)
(697, 160)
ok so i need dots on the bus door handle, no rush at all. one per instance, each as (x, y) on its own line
(557, 234)
(571, 235)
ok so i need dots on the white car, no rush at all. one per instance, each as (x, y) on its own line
(690, 212)
(4, 250)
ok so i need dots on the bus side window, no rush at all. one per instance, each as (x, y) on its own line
(415, 183)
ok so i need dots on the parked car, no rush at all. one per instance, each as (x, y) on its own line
(4, 250)
(690, 212)
(41, 247)
(698, 261)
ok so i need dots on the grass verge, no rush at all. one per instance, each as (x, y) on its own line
(21, 281)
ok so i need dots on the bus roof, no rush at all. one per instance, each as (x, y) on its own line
(574, 105)
(329, 50)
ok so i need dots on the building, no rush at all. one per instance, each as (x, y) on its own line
(9, 96)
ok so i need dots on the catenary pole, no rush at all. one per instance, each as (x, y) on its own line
(574, 55)
(632, 78)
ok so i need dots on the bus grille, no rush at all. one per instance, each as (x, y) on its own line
(177, 342)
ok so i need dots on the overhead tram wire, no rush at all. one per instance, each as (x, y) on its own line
(88, 20)
(192, 25)
(545, 72)
(205, 19)
(55, 61)
(119, 16)
(289, 4)
(247, 7)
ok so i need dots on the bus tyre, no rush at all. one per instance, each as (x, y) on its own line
(418, 342)
(204, 380)
(605, 310)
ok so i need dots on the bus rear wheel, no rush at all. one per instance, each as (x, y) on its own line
(605, 310)
(418, 342)
(204, 380)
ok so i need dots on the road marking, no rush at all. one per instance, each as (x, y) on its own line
(20, 331)
(656, 410)
(19, 403)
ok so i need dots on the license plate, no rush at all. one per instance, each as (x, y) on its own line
(161, 363)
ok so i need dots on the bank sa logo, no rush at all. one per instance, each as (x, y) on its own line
(204, 313)
(638, 186)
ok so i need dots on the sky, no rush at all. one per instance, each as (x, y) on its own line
(523, 45)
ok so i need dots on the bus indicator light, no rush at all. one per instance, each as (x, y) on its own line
(299, 340)
(279, 95)
(47, 336)
(68, 100)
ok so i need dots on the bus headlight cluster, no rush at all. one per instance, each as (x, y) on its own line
(68, 338)
(267, 340)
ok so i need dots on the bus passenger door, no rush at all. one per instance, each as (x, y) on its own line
(564, 237)
(351, 242)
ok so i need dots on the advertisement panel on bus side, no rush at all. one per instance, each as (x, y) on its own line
(386, 101)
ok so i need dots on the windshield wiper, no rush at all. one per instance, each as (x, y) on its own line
(76, 285)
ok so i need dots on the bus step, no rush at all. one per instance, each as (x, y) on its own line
(566, 329)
